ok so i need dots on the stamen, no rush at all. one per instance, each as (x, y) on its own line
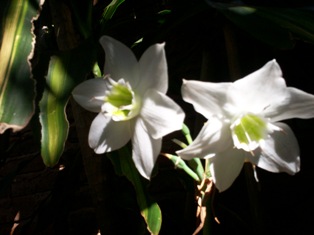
(120, 100)
(247, 132)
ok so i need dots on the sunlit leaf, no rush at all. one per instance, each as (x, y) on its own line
(16, 85)
(65, 72)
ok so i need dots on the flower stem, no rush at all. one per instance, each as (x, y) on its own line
(178, 162)
(187, 134)
(195, 163)
(197, 167)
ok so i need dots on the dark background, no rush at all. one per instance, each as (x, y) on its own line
(201, 44)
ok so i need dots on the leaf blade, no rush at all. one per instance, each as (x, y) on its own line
(16, 84)
(150, 210)
(66, 70)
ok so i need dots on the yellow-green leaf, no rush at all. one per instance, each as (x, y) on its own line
(52, 116)
(16, 85)
(65, 72)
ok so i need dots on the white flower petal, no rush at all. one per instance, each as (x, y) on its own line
(161, 114)
(280, 152)
(120, 61)
(261, 90)
(145, 149)
(206, 97)
(106, 135)
(85, 93)
(300, 105)
(214, 137)
(226, 166)
(153, 69)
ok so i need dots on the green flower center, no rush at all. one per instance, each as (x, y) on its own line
(247, 131)
(120, 101)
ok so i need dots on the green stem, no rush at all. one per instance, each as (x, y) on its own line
(195, 163)
(187, 134)
(178, 162)
(197, 167)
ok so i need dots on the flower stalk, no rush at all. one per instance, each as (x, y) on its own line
(179, 163)
(195, 163)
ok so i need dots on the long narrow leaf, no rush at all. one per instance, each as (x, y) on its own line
(109, 11)
(298, 21)
(16, 85)
(65, 72)
(279, 27)
(150, 210)
(259, 27)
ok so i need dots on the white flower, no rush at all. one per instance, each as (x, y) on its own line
(131, 103)
(243, 123)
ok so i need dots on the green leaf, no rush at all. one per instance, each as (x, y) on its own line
(263, 29)
(298, 21)
(82, 11)
(65, 71)
(150, 211)
(16, 85)
(278, 27)
(109, 11)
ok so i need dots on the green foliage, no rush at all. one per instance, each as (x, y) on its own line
(16, 85)
(66, 70)
(124, 166)
(109, 12)
(278, 27)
